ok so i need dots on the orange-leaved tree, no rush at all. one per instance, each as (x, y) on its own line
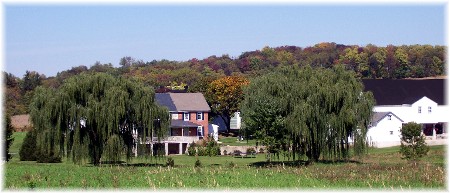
(224, 95)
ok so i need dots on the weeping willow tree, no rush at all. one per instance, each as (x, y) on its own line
(92, 115)
(311, 112)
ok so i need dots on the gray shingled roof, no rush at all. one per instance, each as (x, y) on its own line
(183, 101)
(377, 116)
(165, 100)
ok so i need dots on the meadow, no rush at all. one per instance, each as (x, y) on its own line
(380, 169)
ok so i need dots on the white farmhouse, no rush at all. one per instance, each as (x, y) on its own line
(402, 101)
(384, 130)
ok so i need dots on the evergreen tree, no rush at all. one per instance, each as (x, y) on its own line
(28, 149)
(413, 145)
(8, 136)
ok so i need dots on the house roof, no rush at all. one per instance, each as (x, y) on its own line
(377, 116)
(178, 123)
(399, 92)
(165, 100)
(183, 101)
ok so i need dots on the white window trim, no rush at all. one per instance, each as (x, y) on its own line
(389, 117)
(419, 109)
(188, 116)
(429, 109)
(200, 130)
(174, 116)
(201, 115)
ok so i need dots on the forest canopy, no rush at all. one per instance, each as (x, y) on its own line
(370, 61)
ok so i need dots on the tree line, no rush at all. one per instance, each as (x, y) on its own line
(309, 112)
(370, 61)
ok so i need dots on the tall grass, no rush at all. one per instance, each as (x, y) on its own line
(378, 171)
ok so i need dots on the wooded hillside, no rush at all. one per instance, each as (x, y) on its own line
(370, 61)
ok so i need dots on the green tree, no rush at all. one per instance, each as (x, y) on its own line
(27, 151)
(402, 67)
(224, 95)
(30, 81)
(8, 139)
(413, 145)
(311, 111)
(90, 114)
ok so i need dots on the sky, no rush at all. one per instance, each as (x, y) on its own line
(52, 38)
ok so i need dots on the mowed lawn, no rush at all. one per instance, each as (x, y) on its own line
(381, 169)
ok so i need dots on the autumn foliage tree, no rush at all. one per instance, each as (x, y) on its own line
(224, 95)
(93, 116)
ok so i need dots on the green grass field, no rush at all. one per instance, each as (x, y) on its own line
(18, 139)
(381, 169)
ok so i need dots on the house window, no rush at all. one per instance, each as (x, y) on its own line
(186, 116)
(389, 117)
(199, 116)
(391, 132)
(419, 110)
(200, 131)
(429, 109)
(174, 116)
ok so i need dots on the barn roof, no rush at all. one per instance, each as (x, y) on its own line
(405, 91)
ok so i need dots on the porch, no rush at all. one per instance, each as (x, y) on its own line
(434, 131)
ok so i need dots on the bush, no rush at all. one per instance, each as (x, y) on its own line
(212, 148)
(198, 164)
(201, 151)
(413, 145)
(191, 149)
(170, 162)
(48, 158)
(204, 148)
(28, 149)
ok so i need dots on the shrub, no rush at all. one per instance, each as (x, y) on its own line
(201, 151)
(413, 144)
(212, 148)
(170, 162)
(48, 158)
(191, 149)
(204, 148)
(198, 164)
(28, 149)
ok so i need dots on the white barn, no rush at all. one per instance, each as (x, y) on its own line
(402, 101)
(384, 130)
